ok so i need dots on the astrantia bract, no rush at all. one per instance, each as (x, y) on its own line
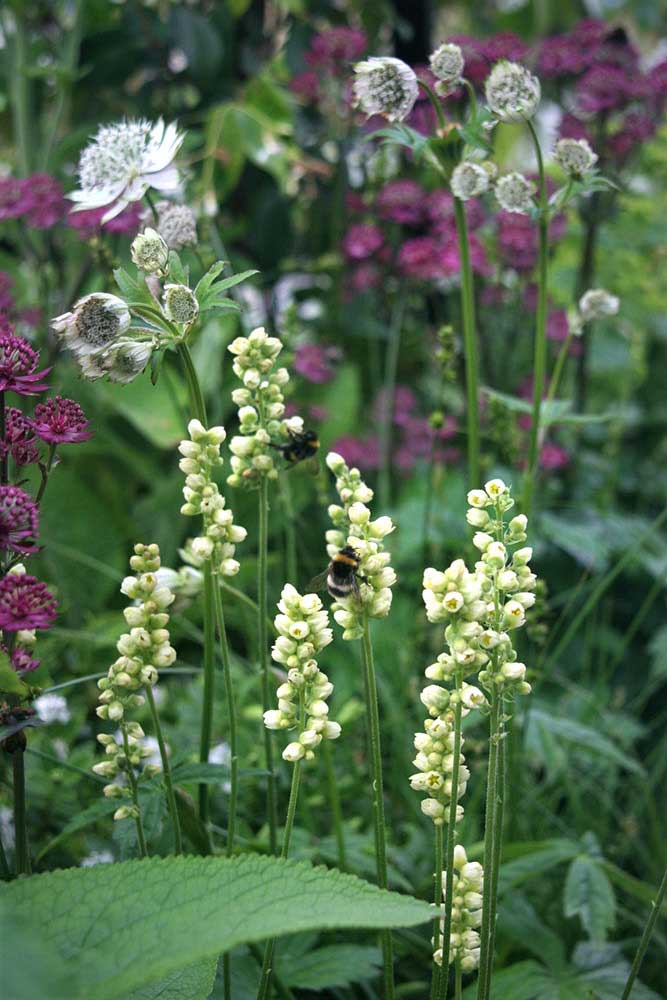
(123, 161)
(385, 86)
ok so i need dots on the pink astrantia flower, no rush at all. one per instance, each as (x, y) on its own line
(18, 361)
(401, 201)
(331, 49)
(60, 421)
(365, 276)
(362, 240)
(6, 297)
(20, 441)
(362, 453)
(315, 362)
(19, 520)
(12, 202)
(44, 201)
(22, 660)
(553, 457)
(25, 603)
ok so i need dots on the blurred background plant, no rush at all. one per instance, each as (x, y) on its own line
(358, 271)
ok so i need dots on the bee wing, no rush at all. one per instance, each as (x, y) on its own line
(318, 582)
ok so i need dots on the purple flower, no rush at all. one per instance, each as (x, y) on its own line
(88, 223)
(362, 453)
(315, 362)
(44, 202)
(553, 457)
(401, 201)
(19, 520)
(22, 660)
(12, 204)
(18, 361)
(330, 49)
(60, 421)
(25, 603)
(420, 258)
(603, 88)
(306, 85)
(404, 404)
(636, 127)
(362, 240)
(562, 55)
(365, 276)
(504, 45)
(571, 128)
(557, 325)
(19, 440)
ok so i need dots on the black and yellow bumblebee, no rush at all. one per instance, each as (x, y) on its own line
(341, 577)
(301, 446)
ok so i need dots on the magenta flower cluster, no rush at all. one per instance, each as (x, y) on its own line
(39, 202)
(329, 57)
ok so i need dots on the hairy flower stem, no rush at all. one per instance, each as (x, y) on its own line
(437, 898)
(389, 391)
(469, 342)
(540, 351)
(166, 771)
(262, 635)
(334, 802)
(20, 822)
(199, 409)
(373, 723)
(490, 829)
(265, 981)
(656, 907)
(450, 844)
(134, 790)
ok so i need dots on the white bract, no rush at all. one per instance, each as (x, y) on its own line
(575, 156)
(447, 64)
(515, 193)
(123, 161)
(385, 86)
(469, 180)
(512, 92)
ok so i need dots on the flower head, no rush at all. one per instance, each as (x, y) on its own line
(177, 225)
(385, 86)
(60, 421)
(123, 161)
(447, 64)
(180, 304)
(575, 156)
(150, 253)
(515, 193)
(18, 361)
(25, 603)
(20, 441)
(95, 323)
(512, 92)
(19, 520)
(597, 303)
(469, 180)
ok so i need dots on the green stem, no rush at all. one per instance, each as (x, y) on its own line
(497, 835)
(389, 389)
(233, 725)
(458, 989)
(265, 981)
(646, 936)
(5, 873)
(373, 723)
(334, 801)
(540, 351)
(451, 842)
(437, 899)
(20, 822)
(166, 770)
(486, 934)
(290, 533)
(469, 343)
(134, 791)
(262, 635)
(20, 88)
(71, 46)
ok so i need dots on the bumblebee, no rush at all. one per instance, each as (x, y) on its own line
(341, 577)
(300, 447)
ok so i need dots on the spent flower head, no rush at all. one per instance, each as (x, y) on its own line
(180, 304)
(512, 92)
(385, 86)
(597, 303)
(515, 193)
(177, 225)
(575, 156)
(469, 180)
(94, 324)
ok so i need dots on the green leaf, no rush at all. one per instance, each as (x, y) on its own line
(209, 289)
(131, 289)
(589, 895)
(521, 922)
(586, 739)
(538, 857)
(156, 411)
(96, 811)
(193, 983)
(210, 774)
(401, 135)
(10, 682)
(523, 981)
(177, 271)
(123, 926)
(331, 966)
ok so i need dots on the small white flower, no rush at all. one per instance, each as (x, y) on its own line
(512, 92)
(385, 86)
(575, 156)
(469, 180)
(447, 64)
(95, 323)
(123, 161)
(515, 193)
(597, 303)
(52, 708)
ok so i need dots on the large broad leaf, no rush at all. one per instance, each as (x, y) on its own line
(330, 966)
(159, 412)
(589, 895)
(121, 927)
(193, 983)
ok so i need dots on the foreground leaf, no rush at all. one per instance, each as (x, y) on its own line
(120, 927)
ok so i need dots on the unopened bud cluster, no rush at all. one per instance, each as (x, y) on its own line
(353, 526)
(261, 408)
(468, 887)
(303, 631)
(220, 536)
(142, 651)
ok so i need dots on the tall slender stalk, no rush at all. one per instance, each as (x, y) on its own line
(437, 898)
(373, 723)
(262, 636)
(540, 350)
(4, 866)
(134, 790)
(469, 342)
(656, 906)
(450, 844)
(233, 724)
(490, 828)
(19, 85)
(334, 802)
(199, 409)
(166, 771)
(388, 403)
(20, 823)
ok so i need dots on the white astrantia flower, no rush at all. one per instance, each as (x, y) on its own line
(515, 193)
(123, 161)
(52, 708)
(447, 64)
(575, 156)
(150, 253)
(180, 304)
(512, 92)
(385, 86)
(469, 180)
(177, 225)
(94, 324)
(597, 303)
